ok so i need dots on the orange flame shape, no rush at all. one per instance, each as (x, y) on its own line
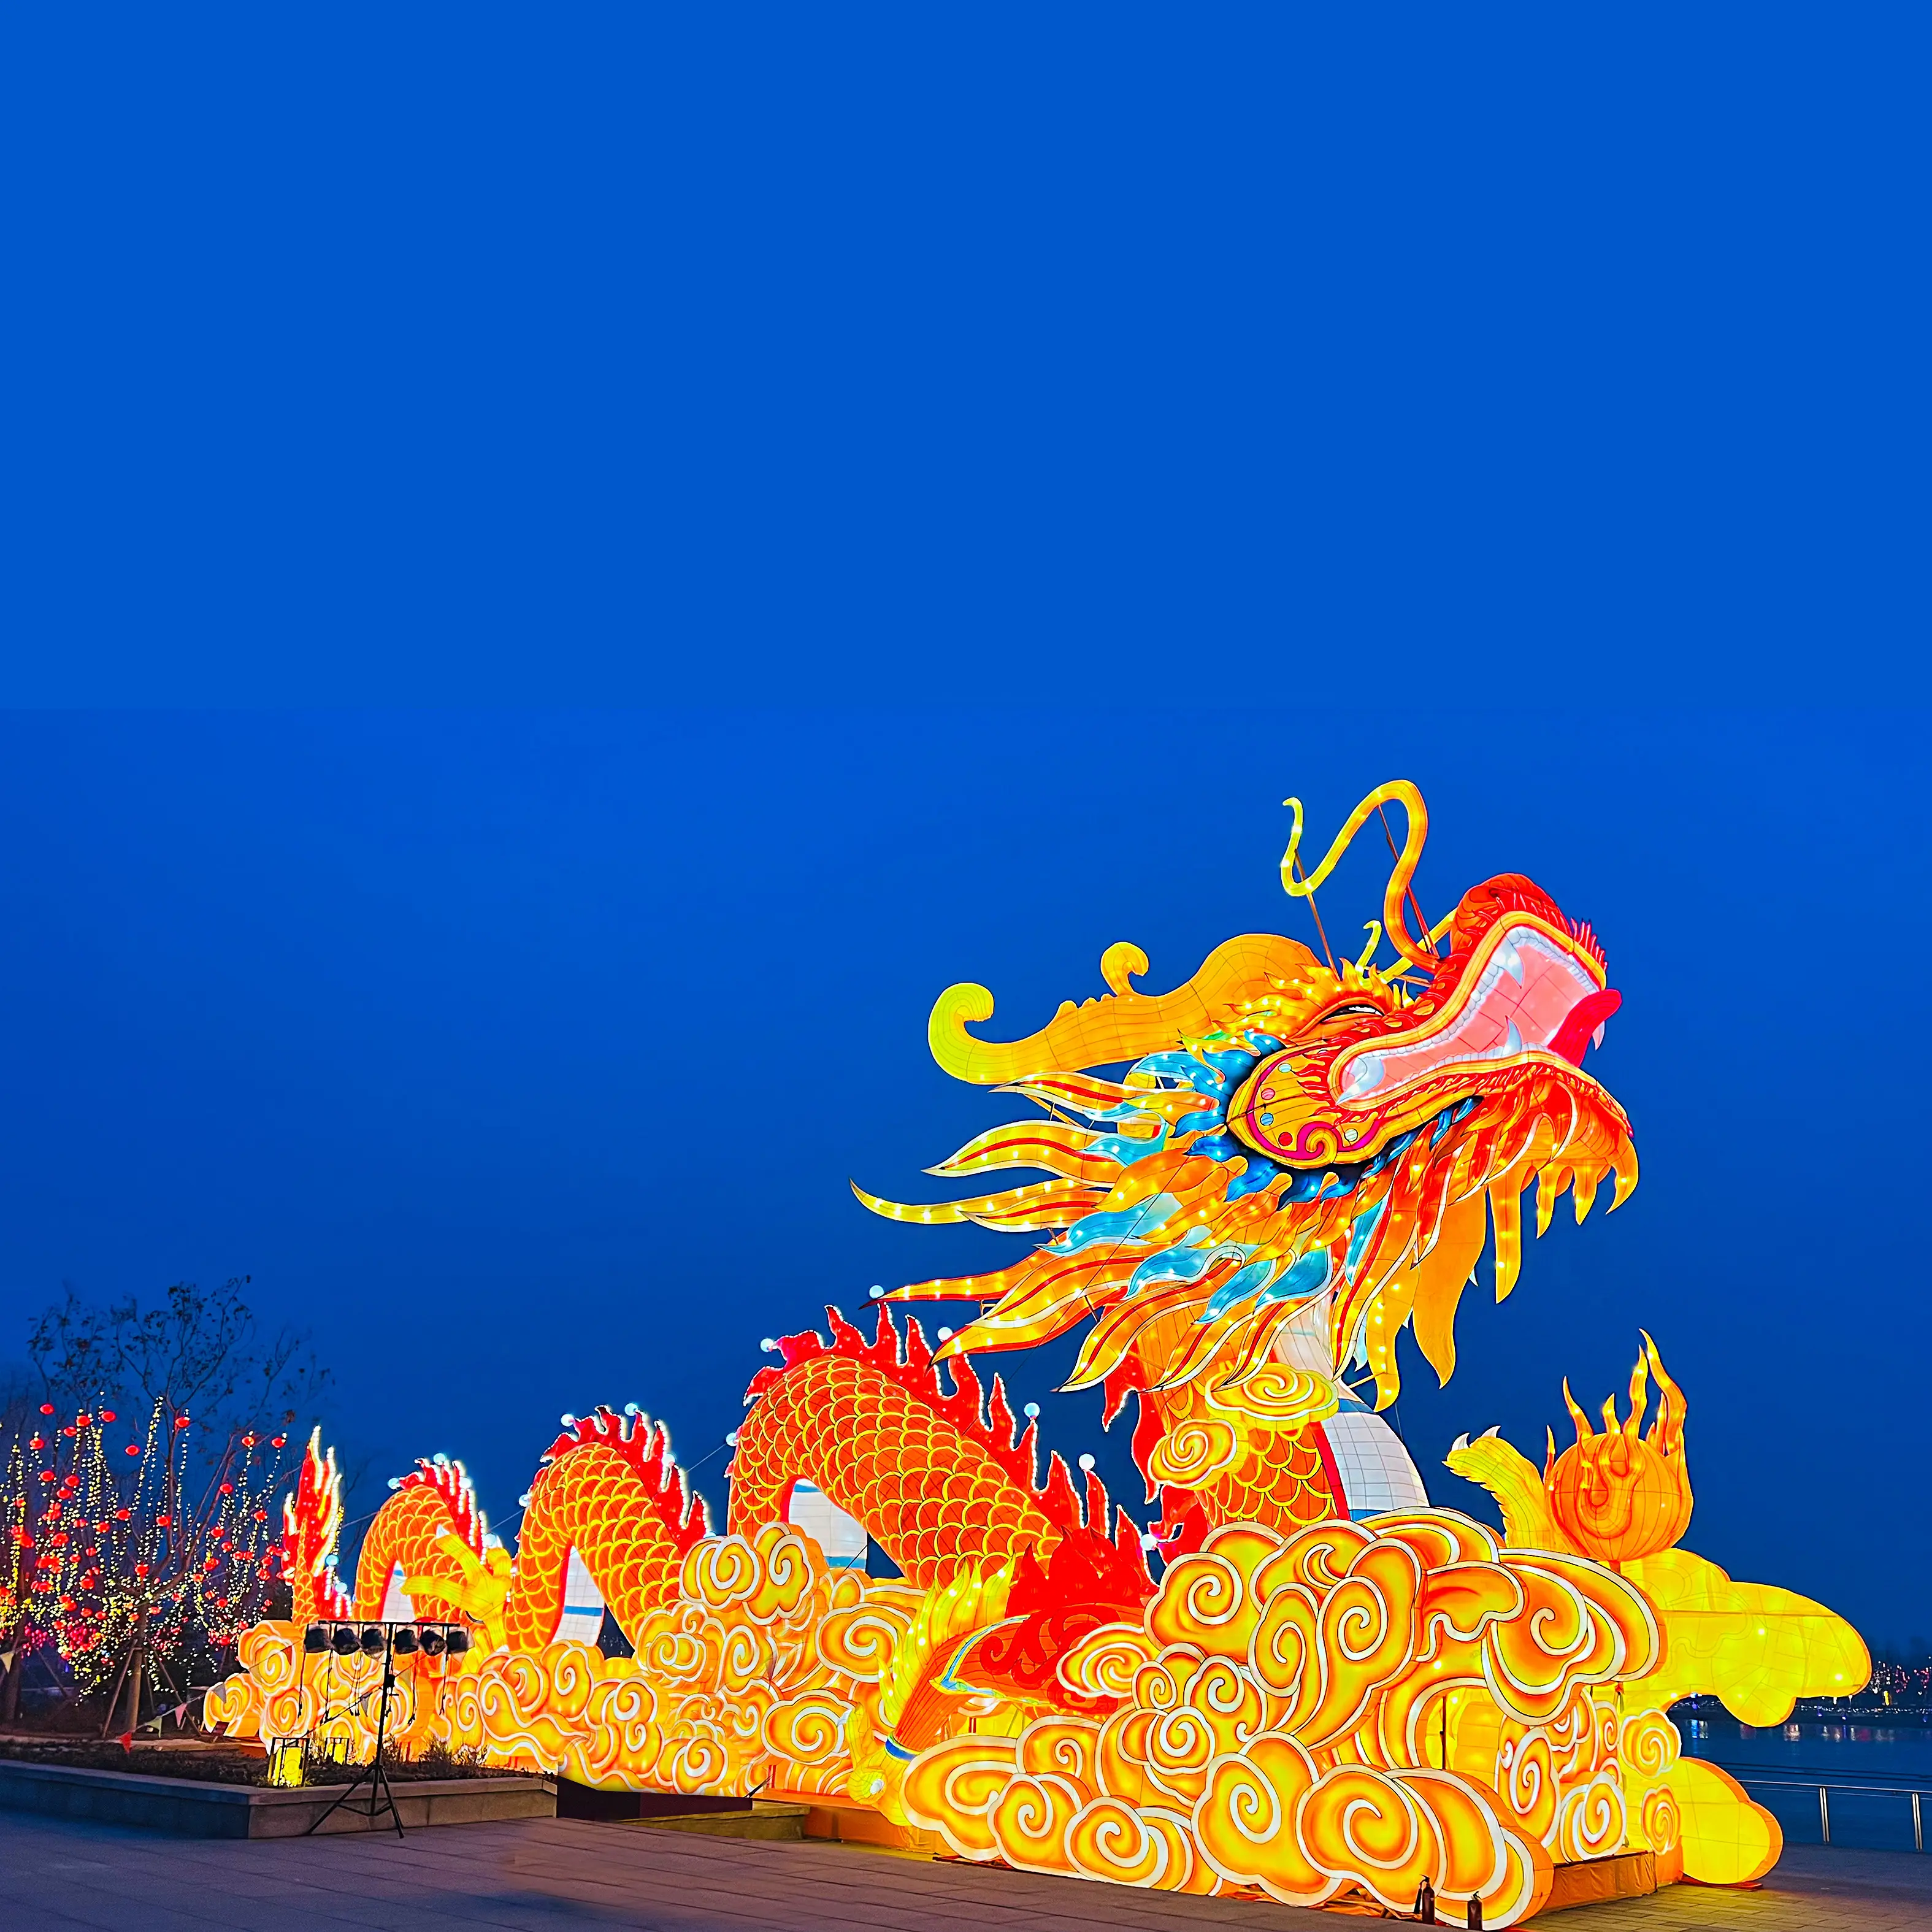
(1622, 1494)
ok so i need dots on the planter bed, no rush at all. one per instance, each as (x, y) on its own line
(199, 1808)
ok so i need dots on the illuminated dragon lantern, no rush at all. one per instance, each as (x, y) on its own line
(1333, 1691)
(1299, 1159)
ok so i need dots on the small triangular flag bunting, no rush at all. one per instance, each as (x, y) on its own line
(6, 1659)
(126, 1741)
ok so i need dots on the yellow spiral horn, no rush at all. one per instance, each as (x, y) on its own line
(1394, 917)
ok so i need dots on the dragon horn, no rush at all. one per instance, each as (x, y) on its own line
(1123, 1024)
(1394, 917)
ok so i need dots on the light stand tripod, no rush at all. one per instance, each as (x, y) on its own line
(387, 1640)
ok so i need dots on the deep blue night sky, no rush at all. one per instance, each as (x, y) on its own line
(1069, 432)
(526, 1059)
(1080, 354)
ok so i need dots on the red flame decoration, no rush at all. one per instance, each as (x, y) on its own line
(646, 1446)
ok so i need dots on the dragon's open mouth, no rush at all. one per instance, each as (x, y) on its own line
(1532, 998)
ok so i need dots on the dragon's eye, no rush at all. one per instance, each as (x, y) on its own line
(1349, 1012)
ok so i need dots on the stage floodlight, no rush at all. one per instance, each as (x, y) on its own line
(432, 1642)
(459, 1641)
(343, 1642)
(405, 1644)
(315, 1640)
(373, 1640)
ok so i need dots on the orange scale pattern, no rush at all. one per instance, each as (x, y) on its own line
(1281, 1482)
(405, 1531)
(931, 1496)
(594, 1498)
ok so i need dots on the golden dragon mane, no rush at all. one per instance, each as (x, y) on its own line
(1295, 1160)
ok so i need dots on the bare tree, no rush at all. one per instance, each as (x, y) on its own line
(200, 1351)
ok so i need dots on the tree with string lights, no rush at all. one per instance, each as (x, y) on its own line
(138, 1492)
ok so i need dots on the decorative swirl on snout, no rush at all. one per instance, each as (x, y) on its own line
(1288, 1398)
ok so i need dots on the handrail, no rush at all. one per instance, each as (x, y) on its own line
(1771, 1781)
(1801, 1773)
(1744, 1777)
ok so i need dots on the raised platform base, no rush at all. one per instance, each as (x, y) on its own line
(854, 1825)
(760, 1819)
(189, 1810)
(1595, 1881)
(626, 1808)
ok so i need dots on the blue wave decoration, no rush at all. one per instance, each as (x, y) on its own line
(1136, 1223)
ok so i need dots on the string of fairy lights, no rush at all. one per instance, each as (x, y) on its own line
(112, 1546)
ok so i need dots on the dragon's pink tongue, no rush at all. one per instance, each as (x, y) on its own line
(1573, 1035)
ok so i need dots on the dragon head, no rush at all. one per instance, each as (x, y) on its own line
(1299, 1156)
(1518, 1000)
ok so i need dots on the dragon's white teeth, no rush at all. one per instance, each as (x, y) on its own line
(1596, 1038)
(1511, 960)
(1512, 1043)
(1461, 1442)
(1494, 1428)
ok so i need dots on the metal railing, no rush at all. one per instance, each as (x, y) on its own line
(1785, 1781)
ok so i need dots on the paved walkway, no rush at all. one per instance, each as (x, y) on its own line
(548, 1874)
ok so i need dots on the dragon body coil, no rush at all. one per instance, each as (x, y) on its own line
(1325, 1689)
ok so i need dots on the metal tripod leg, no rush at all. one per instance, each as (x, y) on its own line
(380, 1792)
